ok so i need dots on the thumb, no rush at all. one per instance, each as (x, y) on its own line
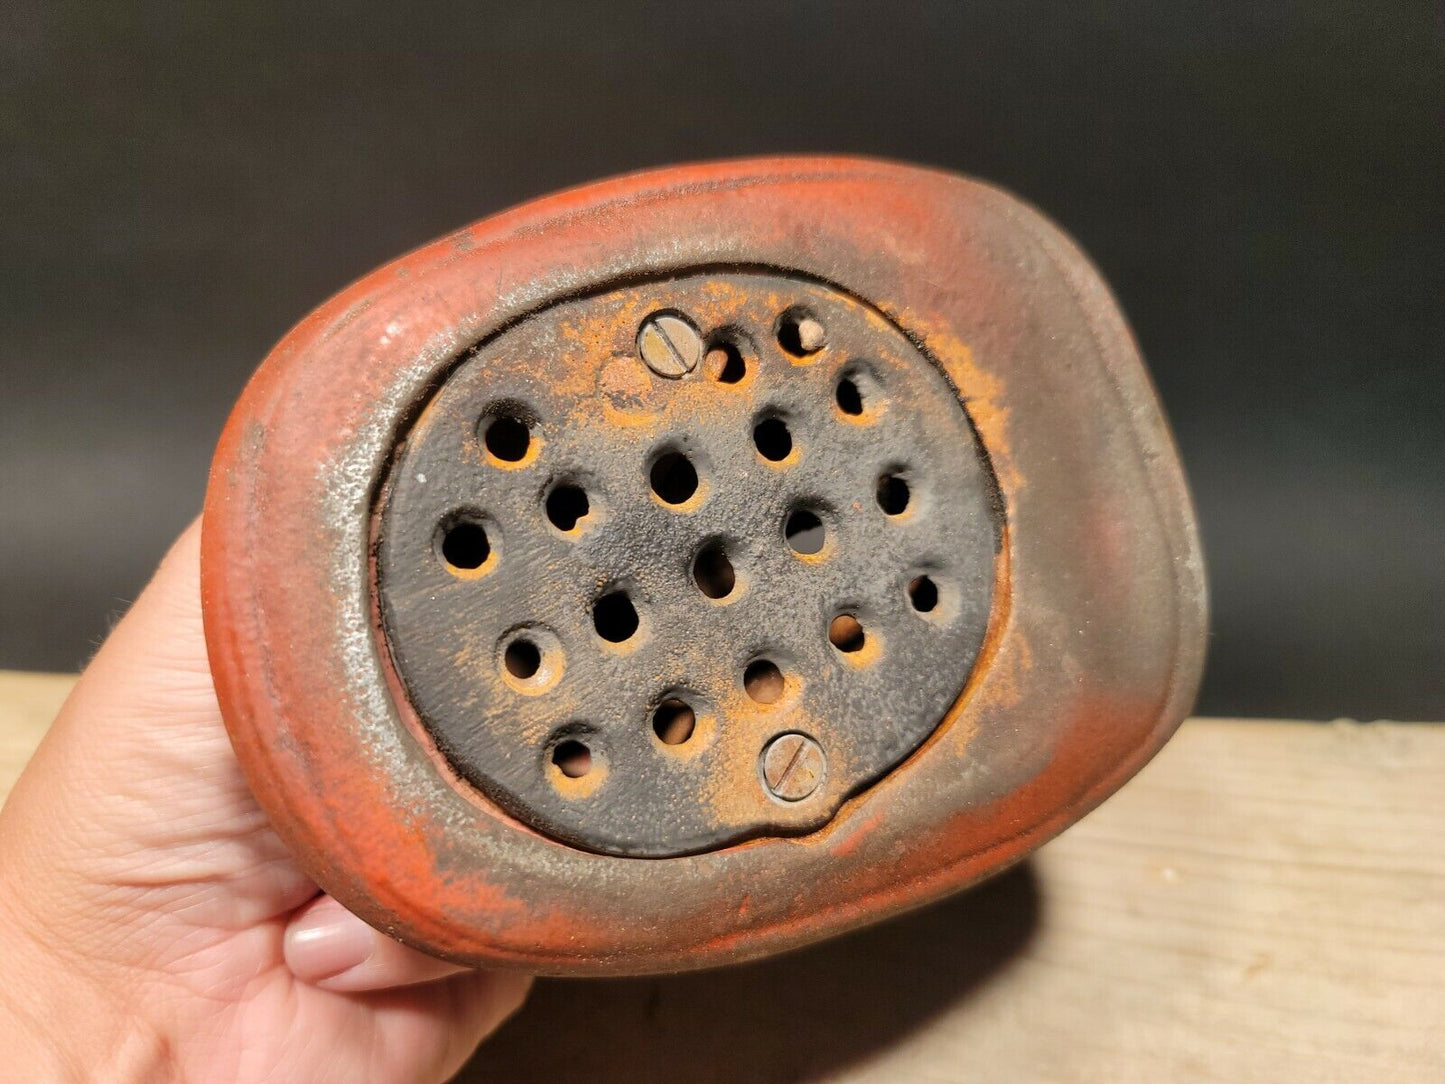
(151, 674)
(142, 724)
(137, 764)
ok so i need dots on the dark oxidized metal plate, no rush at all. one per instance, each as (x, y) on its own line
(560, 518)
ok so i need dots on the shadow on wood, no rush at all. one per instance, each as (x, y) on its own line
(797, 1017)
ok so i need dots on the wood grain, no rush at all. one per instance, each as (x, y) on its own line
(1265, 902)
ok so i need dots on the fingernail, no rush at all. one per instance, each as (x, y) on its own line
(327, 941)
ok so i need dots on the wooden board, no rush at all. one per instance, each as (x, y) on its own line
(1265, 902)
(27, 704)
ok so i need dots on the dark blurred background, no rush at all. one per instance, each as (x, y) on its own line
(1263, 184)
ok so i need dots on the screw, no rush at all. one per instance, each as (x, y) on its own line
(793, 766)
(669, 344)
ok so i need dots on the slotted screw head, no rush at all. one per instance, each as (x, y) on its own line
(669, 345)
(793, 766)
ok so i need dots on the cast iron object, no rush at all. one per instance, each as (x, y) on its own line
(694, 565)
(567, 546)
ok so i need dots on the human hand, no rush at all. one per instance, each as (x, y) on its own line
(153, 926)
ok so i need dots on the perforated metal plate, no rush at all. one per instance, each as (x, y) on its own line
(606, 591)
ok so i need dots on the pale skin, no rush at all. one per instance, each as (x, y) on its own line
(153, 927)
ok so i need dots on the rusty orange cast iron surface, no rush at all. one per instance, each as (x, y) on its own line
(697, 564)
